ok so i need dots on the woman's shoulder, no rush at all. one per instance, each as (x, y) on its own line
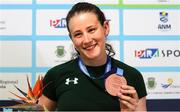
(63, 68)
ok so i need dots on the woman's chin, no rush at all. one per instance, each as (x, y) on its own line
(92, 56)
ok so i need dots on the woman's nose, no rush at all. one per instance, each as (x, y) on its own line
(87, 38)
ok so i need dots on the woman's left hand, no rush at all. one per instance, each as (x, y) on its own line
(128, 98)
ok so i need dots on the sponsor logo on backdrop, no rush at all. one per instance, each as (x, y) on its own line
(57, 52)
(151, 22)
(58, 23)
(163, 17)
(51, 22)
(164, 25)
(9, 82)
(168, 83)
(151, 82)
(60, 51)
(155, 53)
(5, 83)
(147, 53)
(162, 85)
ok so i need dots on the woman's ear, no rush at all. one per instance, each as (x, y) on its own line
(106, 27)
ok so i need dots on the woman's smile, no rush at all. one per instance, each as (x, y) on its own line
(90, 47)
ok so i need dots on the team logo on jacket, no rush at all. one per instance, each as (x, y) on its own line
(73, 81)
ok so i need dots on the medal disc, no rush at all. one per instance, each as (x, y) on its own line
(113, 84)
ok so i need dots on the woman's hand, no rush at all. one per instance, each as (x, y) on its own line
(128, 98)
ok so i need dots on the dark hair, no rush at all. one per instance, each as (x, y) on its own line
(88, 7)
(85, 7)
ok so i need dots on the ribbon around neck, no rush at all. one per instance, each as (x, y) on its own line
(108, 70)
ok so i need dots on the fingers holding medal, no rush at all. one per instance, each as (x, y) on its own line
(128, 98)
(116, 85)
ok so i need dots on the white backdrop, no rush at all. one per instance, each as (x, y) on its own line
(144, 34)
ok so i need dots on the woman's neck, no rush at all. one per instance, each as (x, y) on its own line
(95, 62)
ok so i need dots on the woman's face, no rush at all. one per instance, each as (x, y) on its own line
(88, 35)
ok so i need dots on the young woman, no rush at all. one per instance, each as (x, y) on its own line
(80, 83)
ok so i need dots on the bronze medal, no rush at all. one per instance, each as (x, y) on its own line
(113, 84)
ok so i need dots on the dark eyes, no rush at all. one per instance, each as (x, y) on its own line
(79, 34)
(91, 30)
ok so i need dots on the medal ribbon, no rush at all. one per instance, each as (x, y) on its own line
(108, 69)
